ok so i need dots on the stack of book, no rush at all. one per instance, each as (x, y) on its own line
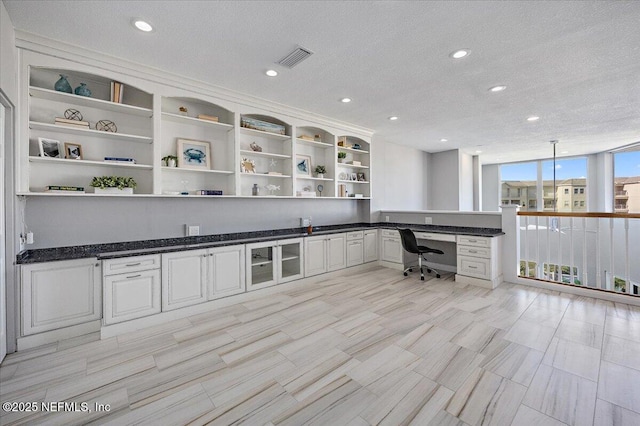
(64, 189)
(117, 91)
(119, 160)
(208, 117)
(342, 190)
(209, 192)
(71, 123)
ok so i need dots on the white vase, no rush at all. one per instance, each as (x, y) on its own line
(171, 162)
(114, 191)
(321, 175)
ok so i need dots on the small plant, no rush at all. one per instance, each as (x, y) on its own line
(119, 182)
(168, 158)
(342, 155)
(321, 170)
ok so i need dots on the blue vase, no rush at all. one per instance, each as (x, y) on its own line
(62, 85)
(83, 90)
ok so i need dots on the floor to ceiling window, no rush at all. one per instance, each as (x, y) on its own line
(626, 182)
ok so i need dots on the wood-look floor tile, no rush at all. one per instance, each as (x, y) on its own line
(621, 351)
(436, 401)
(553, 301)
(206, 327)
(44, 378)
(382, 363)
(150, 332)
(246, 349)
(619, 385)
(563, 396)
(367, 342)
(542, 316)
(30, 354)
(449, 364)
(486, 399)
(581, 360)
(312, 346)
(21, 416)
(353, 324)
(311, 324)
(258, 327)
(408, 321)
(608, 414)
(589, 310)
(425, 338)
(514, 362)
(624, 328)
(531, 335)
(443, 418)
(190, 349)
(580, 332)
(478, 337)
(116, 400)
(529, 417)
(624, 311)
(224, 312)
(306, 309)
(128, 352)
(453, 320)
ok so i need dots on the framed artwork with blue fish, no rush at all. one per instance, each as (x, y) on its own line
(194, 154)
(303, 165)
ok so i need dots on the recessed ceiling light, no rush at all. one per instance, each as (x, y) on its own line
(564, 152)
(444, 140)
(271, 73)
(393, 118)
(478, 151)
(459, 54)
(497, 88)
(345, 100)
(142, 25)
(533, 118)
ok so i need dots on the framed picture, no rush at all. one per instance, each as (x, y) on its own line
(361, 177)
(73, 151)
(49, 148)
(194, 154)
(303, 165)
(353, 177)
(247, 166)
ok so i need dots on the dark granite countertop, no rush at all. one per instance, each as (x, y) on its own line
(135, 248)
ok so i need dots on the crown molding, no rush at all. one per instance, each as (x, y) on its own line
(46, 46)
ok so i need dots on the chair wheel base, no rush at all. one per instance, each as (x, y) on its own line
(405, 274)
(428, 271)
(422, 278)
(437, 275)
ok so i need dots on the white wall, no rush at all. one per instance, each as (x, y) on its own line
(443, 181)
(599, 182)
(465, 183)
(490, 187)
(8, 57)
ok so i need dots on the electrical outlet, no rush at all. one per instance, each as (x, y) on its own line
(386, 218)
(192, 230)
(29, 237)
(428, 220)
(305, 221)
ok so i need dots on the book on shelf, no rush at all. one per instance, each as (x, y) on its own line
(356, 195)
(119, 160)
(342, 190)
(59, 121)
(306, 138)
(209, 192)
(208, 117)
(64, 189)
(274, 173)
(117, 91)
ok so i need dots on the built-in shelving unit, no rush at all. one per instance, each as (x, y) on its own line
(354, 170)
(151, 120)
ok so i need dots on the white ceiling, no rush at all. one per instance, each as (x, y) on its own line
(576, 64)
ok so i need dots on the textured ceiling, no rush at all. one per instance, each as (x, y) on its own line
(574, 64)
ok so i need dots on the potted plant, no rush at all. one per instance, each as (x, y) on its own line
(320, 171)
(170, 160)
(113, 185)
(341, 156)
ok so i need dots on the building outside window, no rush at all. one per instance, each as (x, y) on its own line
(626, 182)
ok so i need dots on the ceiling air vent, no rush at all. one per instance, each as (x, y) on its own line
(295, 57)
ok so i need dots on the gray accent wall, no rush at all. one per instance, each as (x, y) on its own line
(490, 188)
(443, 181)
(67, 221)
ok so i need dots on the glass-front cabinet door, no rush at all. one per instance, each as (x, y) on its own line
(290, 254)
(261, 261)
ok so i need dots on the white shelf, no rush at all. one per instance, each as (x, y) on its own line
(264, 154)
(353, 181)
(314, 143)
(351, 166)
(288, 258)
(89, 194)
(260, 133)
(53, 95)
(312, 178)
(264, 175)
(197, 121)
(66, 161)
(258, 262)
(178, 169)
(358, 151)
(80, 131)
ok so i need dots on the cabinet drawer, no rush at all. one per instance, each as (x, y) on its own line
(435, 237)
(390, 233)
(474, 267)
(126, 265)
(483, 252)
(355, 235)
(474, 241)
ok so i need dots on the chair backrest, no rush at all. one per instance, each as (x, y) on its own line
(409, 242)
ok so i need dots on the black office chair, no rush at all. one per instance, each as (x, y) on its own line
(410, 244)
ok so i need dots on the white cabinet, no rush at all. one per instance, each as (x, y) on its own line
(479, 260)
(353, 171)
(60, 294)
(336, 252)
(273, 262)
(370, 242)
(391, 246)
(184, 279)
(131, 288)
(355, 248)
(227, 274)
(315, 256)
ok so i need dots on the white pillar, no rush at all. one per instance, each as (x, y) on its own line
(510, 243)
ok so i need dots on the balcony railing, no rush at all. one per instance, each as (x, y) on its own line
(622, 194)
(593, 250)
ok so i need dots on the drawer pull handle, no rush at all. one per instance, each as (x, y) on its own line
(473, 241)
(134, 276)
(473, 251)
(473, 267)
(133, 264)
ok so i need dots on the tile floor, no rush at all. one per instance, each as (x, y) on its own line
(362, 349)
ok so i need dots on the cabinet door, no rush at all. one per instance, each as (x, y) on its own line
(60, 294)
(227, 271)
(290, 260)
(130, 296)
(355, 253)
(391, 249)
(315, 256)
(336, 252)
(370, 246)
(184, 279)
(261, 261)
